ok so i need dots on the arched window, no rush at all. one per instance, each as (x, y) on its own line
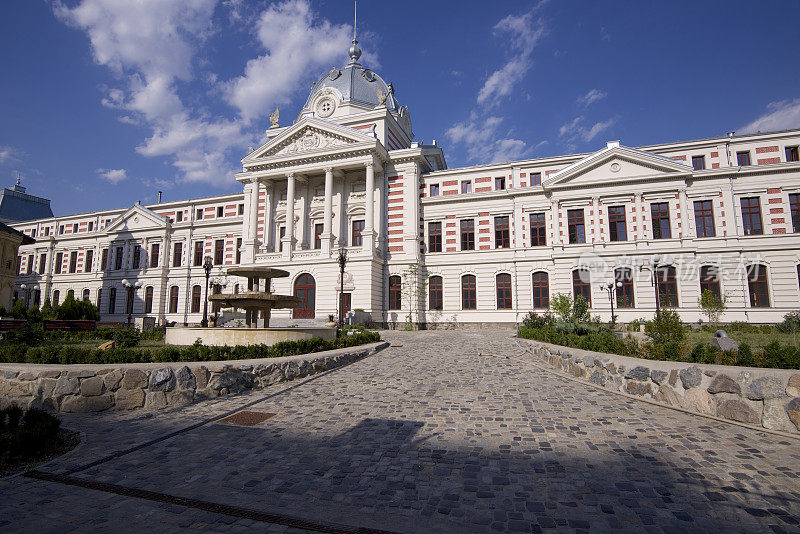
(196, 293)
(541, 290)
(435, 299)
(305, 287)
(71, 294)
(56, 297)
(395, 300)
(86, 295)
(148, 299)
(469, 297)
(667, 286)
(709, 280)
(173, 299)
(623, 284)
(758, 285)
(581, 285)
(504, 291)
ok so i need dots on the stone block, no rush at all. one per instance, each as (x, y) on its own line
(658, 376)
(112, 379)
(155, 400)
(185, 378)
(86, 373)
(793, 387)
(673, 377)
(66, 386)
(162, 380)
(27, 375)
(737, 410)
(667, 395)
(92, 387)
(638, 373)
(205, 393)
(133, 379)
(10, 374)
(52, 373)
(698, 400)
(108, 345)
(766, 387)
(638, 388)
(724, 384)
(128, 399)
(691, 377)
(598, 378)
(180, 396)
(793, 411)
(80, 404)
(45, 387)
(775, 416)
(221, 380)
(200, 376)
(725, 344)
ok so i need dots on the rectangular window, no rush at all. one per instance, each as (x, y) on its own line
(112, 300)
(794, 208)
(538, 230)
(219, 251)
(536, 178)
(502, 235)
(466, 187)
(704, 218)
(434, 237)
(469, 294)
(468, 234)
(30, 263)
(698, 163)
(434, 190)
(220, 211)
(743, 158)
(42, 263)
(500, 183)
(87, 268)
(104, 260)
(198, 215)
(118, 259)
(137, 256)
(659, 211)
(198, 254)
(240, 209)
(358, 227)
(179, 216)
(73, 261)
(281, 235)
(238, 250)
(504, 297)
(616, 222)
(575, 226)
(75, 228)
(177, 251)
(792, 154)
(19, 265)
(154, 249)
(395, 292)
(91, 225)
(318, 228)
(751, 216)
(61, 229)
(47, 231)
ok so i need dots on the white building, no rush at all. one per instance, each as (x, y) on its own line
(480, 244)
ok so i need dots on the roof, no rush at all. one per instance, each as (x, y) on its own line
(17, 206)
(356, 84)
(26, 239)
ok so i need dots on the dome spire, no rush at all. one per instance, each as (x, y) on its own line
(355, 51)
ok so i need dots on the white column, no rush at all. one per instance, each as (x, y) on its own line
(328, 215)
(554, 211)
(368, 239)
(288, 241)
(411, 210)
(269, 218)
(254, 192)
(597, 221)
(683, 204)
(380, 209)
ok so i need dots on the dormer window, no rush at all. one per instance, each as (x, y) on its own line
(434, 190)
(500, 183)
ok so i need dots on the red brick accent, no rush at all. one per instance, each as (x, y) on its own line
(396, 216)
(523, 184)
(395, 223)
(396, 232)
(396, 249)
(483, 179)
(484, 247)
(779, 230)
(776, 210)
(715, 165)
(778, 220)
(767, 161)
(484, 239)
(449, 182)
(775, 201)
(395, 208)
(715, 154)
(765, 149)
(395, 240)
(682, 158)
(484, 230)
(523, 175)
(483, 214)
(482, 189)
(450, 192)
(451, 216)
(774, 190)
(450, 241)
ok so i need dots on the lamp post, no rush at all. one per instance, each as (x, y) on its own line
(342, 262)
(208, 264)
(131, 288)
(216, 287)
(25, 291)
(653, 267)
(611, 287)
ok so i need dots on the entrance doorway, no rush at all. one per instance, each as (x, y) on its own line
(306, 288)
(345, 303)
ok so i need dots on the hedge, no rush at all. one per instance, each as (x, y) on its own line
(67, 354)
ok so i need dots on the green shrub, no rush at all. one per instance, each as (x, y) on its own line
(790, 324)
(666, 327)
(127, 337)
(26, 435)
(745, 356)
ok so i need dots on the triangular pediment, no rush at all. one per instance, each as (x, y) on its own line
(136, 218)
(616, 163)
(308, 136)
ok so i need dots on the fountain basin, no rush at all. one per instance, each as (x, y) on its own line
(184, 335)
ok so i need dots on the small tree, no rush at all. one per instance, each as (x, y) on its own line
(413, 288)
(580, 310)
(713, 305)
(561, 304)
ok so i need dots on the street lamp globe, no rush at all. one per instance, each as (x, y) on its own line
(126, 283)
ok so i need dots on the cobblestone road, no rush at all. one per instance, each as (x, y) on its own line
(445, 431)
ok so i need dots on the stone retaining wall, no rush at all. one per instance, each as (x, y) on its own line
(96, 388)
(769, 398)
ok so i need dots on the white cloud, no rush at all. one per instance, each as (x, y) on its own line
(576, 130)
(521, 33)
(591, 97)
(9, 154)
(782, 115)
(114, 176)
(480, 138)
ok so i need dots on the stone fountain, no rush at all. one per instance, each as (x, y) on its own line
(253, 301)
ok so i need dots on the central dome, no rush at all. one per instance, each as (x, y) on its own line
(353, 85)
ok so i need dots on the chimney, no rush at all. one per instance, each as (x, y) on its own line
(159, 197)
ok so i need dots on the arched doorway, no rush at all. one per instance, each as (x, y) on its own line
(306, 289)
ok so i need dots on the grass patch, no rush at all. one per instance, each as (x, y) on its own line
(756, 340)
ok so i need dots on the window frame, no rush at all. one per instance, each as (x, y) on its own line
(502, 231)
(148, 299)
(467, 235)
(624, 290)
(699, 163)
(540, 290)
(433, 190)
(434, 236)
(357, 228)
(659, 217)
(794, 210)
(219, 251)
(710, 282)
(792, 153)
(575, 223)
(617, 221)
(667, 286)
(760, 298)
(500, 183)
(469, 292)
(466, 187)
(744, 155)
(503, 290)
(88, 260)
(155, 249)
(538, 228)
(395, 297)
(435, 293)
(752, 223)
(580, 287)
(174, 294)
(704, 218)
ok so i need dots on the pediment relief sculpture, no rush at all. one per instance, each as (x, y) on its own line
(307, 141)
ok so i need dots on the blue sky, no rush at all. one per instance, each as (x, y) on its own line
(104, 102)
